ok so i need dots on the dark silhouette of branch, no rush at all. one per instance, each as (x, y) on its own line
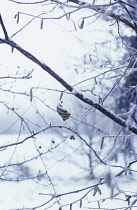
(127, 21)
(3, 28)
(46, 68)
(37, 2)
(98, 8)
(101, 182)
(79, 95)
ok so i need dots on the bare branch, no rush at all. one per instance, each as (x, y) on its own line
(3, 28)
(46, 68)
(37, 2)
(101, 8)
(97, 8)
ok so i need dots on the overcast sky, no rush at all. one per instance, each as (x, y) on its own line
(59, 44)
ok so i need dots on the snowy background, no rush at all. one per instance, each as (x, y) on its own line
(56, 163)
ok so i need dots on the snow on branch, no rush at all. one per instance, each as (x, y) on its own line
(103, 8)
(76, 93)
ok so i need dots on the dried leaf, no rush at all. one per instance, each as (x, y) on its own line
(98, 189)
(31, 95)
(61, 95)
(108, 179)
(90, 57)
(102, 143)
(95, 191)
(17, 17)
(81, 24)
(12, 49)
(41, 23)
(68, 16)
(128, 202)
(100, 101)
(128, 199)
(80, 206)
(98, 204)
(112, 191)
(126, 170)
(71, 206)
(95, 80)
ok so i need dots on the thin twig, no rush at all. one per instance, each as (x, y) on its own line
(76, 93)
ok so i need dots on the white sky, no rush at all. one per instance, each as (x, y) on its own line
(58, 45)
